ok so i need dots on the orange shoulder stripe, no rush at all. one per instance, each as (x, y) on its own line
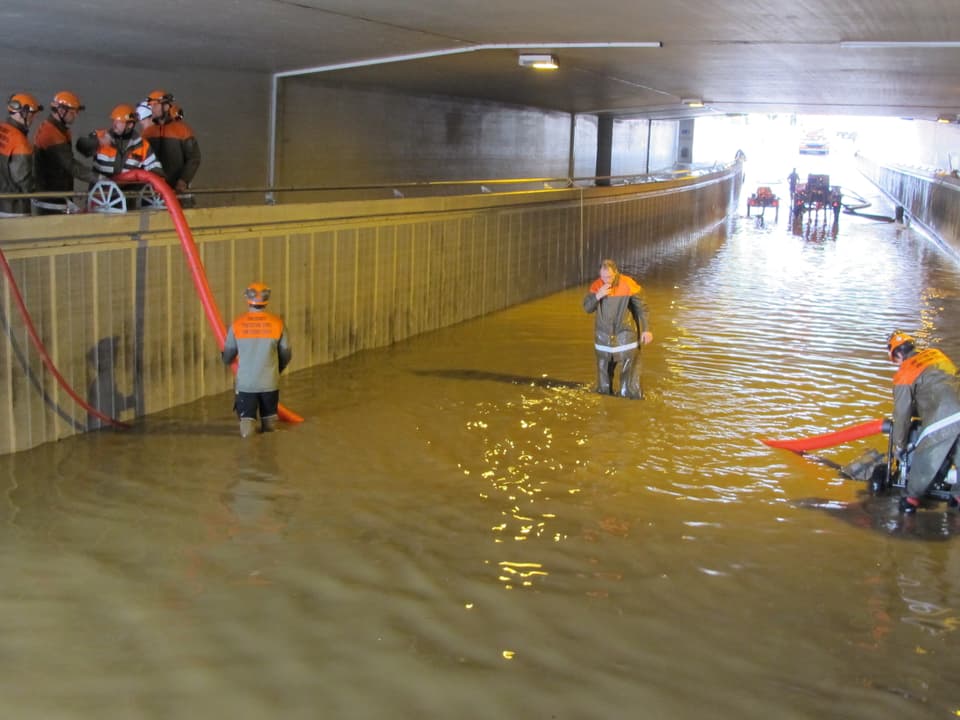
(13, 142)
(913, 366)
(48, 135)
(626, 286)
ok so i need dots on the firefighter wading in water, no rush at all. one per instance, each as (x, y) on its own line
(259, 339)
(619, 330)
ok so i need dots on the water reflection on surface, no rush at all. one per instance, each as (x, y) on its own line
(461, 528)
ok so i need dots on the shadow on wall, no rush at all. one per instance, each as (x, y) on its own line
(103, 392)
(34, 379)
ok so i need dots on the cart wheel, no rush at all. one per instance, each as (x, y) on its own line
(106, 197)
(150, 198)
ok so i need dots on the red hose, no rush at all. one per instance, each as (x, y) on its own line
(44, 356)
(214, 319)
(837, 437)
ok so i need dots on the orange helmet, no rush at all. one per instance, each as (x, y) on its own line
(899, 344)
(23, 101)
(67, 100)
(124, 112)
(257, 294)
(160, 96)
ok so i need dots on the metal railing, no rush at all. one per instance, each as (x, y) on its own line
(80, 201)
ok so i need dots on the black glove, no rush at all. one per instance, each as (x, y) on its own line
(907, 507)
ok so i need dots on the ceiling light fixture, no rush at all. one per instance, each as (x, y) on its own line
(856, 44)
(946, 118)
(540, 62)
(692, 102)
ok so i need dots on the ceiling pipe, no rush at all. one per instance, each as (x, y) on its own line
(461, 51)
(895, 44)
(276, 77)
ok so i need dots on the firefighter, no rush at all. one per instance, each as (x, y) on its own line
(120, 147)
(173, 141)
(620, 329)
(259, 339)
(925, 386)
(16, 153)
(53, 148)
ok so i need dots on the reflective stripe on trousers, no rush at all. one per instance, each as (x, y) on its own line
(619, 348)
(938, 425)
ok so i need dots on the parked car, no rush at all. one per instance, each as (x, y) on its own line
(814, 144)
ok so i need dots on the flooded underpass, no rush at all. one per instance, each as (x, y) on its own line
(462, 529)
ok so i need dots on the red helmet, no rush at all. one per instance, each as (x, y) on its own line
(900, 344)
(67, 100)
(20, 102)
(160, 96)
(124, 112)
(257, 294)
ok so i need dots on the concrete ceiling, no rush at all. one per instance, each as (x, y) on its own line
(743, 56)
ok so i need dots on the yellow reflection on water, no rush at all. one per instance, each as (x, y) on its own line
(522, 573)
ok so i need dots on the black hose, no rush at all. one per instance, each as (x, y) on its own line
(852, 208)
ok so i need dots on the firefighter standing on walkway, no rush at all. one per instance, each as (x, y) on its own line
(120, 147)
(173, 142)
(16, 153)
(53, 148)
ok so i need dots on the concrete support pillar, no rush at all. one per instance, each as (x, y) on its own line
(604, 147)
(685, 142)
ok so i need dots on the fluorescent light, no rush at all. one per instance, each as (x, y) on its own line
(855, 44)
(692, 102)
(540, 62)
(947, 119)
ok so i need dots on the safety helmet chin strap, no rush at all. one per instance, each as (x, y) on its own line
(61, 111)
(20, 119)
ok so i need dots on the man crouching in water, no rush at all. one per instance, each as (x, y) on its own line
(259, 339)
(620, 329)
(926, 386)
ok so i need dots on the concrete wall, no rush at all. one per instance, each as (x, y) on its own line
(913, 143)
(931, 200)
(332, 135)
(228, 111)
(336, 135)
(114, 305)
